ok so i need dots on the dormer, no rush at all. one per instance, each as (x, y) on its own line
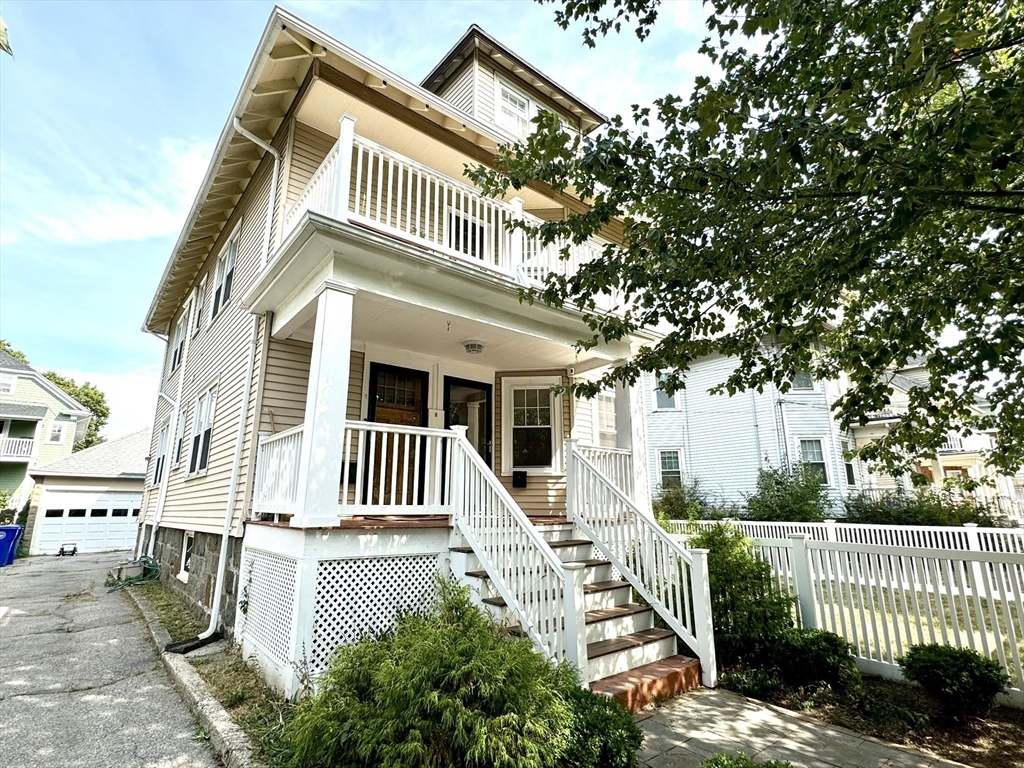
(486, 80)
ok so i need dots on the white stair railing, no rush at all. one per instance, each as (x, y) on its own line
(673, 580)
(615, 463)
(277, 473)
(521, 565)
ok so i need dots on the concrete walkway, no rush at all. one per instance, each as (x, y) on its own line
(691, 728)
(80, 683)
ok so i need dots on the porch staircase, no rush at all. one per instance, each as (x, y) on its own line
(628, 657)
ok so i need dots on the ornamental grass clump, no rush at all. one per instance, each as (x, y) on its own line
(962, 681)
(446, 689)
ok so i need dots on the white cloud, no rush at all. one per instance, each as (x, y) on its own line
(148, 196)
(690, 15)
(131, 395)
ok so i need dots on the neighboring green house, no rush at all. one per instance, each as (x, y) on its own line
(39, 424)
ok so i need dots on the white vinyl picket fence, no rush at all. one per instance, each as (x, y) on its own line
(884, 599)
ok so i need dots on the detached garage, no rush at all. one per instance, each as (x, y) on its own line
(91, 499)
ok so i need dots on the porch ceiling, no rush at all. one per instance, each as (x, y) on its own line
(382, 321)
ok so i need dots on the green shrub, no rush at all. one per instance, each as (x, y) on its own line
(747, 609)
(602, 734)
(964, 682)
(689, 501)
(742, 761)
(796, 496)
(921, 507)
(757, 683)
(812, 656)
(447, 689)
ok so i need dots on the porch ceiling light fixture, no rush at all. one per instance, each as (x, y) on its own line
(473, 346)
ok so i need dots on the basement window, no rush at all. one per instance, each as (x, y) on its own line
(187, 545)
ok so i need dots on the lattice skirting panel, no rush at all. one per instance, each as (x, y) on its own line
(362, 596)
(267, 602)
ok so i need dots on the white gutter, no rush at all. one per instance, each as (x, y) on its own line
(236, 464)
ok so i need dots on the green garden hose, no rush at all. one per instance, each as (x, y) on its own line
(150, 572)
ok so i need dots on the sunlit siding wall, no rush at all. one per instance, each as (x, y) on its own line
(459, 90)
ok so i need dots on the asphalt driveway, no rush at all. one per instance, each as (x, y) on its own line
(80, 683)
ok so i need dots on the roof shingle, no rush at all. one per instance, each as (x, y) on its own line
(125, 457)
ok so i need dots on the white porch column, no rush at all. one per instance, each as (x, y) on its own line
(638, 444)
(326, 406)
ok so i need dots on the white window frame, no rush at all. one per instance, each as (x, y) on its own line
(510, 383)
(600, 433)
(531, 106)
(63, 425)
(654, 395)
(813, 388)
(160, 462)
(826, 452)
(188, 541)
(848, 463)
(227, 261)
(198, 305)
(178, 447)
(201, 434)
(661, 470)
(8, 383)
(180, 333)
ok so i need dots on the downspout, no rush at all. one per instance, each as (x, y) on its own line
(757, 429)
(236, 465)
(172, 431)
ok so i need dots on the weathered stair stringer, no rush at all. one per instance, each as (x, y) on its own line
(672, 580)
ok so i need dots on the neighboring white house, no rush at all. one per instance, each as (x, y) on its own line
(355, 400)
(723, 441)
(91, 500)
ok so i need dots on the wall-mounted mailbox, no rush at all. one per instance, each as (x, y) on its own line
(519, 478)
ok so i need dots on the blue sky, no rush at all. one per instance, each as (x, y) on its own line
(109, 112)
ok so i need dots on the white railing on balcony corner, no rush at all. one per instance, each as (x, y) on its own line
(392, 193)
(521, 565)
(17, 447)
(672, 580)
(953, 443)
(614, 463)
(391, 469)
(277, 473)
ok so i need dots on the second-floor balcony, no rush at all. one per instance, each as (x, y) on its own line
(17, 448)
(385, 191)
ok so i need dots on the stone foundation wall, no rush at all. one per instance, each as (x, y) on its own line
(202, 577)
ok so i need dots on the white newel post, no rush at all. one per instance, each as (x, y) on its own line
(974, 545)
(703, 627)
(638, 444)
(346, 139)
(570, 479)
(456, 491)
(830, 531)
(326, 405)
(575, 619)
(800, 560)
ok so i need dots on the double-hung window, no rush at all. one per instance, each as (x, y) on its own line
(606, 432)
(178, 449)
(225, 276)
(202, 431)
(161, 456)
(812, 453)
(848, 459)
(803, 381)
(531, 425)
(57, 430)
(514, 110)
(199, 306)
(6, 383)
(663, 401)
(671, 469)
(178, 350)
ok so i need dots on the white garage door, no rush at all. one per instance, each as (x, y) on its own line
(94, 522)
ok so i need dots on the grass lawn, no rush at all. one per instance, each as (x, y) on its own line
(171, 611)
(905, 714)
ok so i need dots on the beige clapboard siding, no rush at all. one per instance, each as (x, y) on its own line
(218, 356)
(459, 90)
(583, 421)
(486, 86)
(309, 147)
(282, 143)
(544, 494)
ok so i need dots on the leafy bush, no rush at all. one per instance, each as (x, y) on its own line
(742, 761)
(811, 656)
(921, 507)
(446, 689)
(964, 682)
(757, 683)
(747, 609)
(689, 501)
(796, 496)
(602, 734)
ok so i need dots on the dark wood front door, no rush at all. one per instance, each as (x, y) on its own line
(398, 396)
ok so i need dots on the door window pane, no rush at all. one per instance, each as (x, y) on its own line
(55, 513)
(98, 513)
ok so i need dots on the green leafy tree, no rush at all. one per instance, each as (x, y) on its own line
(848, 192)
(88, 394)
(93, 398)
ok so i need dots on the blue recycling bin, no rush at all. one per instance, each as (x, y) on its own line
(9, 537)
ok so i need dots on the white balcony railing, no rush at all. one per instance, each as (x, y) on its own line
(277, 472)
(394, 194)
(17, 447)
(953, 443)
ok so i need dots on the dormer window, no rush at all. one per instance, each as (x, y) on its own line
(515, 110)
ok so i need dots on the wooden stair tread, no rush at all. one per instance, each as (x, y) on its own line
(603, 586)
(607, 614)
(624, 643)
(569, 543)
(659, 680)
(588, 563)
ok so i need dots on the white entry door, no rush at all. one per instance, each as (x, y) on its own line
(99, 521)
